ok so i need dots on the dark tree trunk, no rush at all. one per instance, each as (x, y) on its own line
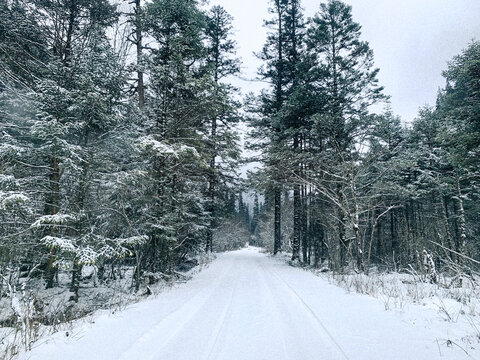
(75, 284)
(277, 244)
(393, 232)
(296, 223)
(139, 46)
(52, 208)
(211, 186)
(297, 208)
(342, 240)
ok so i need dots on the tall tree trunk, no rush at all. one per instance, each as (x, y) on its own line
(75, 284)
(211, 186)
(358, 239)
(139, 47)
(277, 242)
(448, 233)
(342, 241)
(356, 226)
(279, 100)
(303, 230)
(456, 225)
(414, 245)
(319, 244)
(53, 206)
(296, 208)
(380, 245)
(296, 223)
(137, 269)
(408, 231)
(462, 223)
(393, 233)
(72, 19)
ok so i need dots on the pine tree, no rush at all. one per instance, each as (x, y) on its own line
(347, 86)
(281, 55)
(220, 64)
(292, 120)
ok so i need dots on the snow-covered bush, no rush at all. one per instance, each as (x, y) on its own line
(231, 235)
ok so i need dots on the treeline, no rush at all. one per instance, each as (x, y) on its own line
(351, 187)
(117, 135)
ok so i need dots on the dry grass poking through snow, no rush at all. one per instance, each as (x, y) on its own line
(398, 290)
(447, 302)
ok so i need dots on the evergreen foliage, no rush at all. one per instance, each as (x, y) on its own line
(93, 174)
(127, 154)
(360, 187)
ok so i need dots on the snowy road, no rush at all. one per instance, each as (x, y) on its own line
(247, 305)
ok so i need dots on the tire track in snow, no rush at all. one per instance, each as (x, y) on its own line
(226, 313)
(314, 316)
(274, 302)
(172, 323)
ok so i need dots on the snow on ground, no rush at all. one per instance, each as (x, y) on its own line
(247, 305)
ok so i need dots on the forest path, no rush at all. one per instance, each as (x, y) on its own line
(247, 305)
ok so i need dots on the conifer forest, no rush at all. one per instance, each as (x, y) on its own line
(131, 160)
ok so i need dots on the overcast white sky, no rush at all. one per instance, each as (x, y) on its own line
(412, 41)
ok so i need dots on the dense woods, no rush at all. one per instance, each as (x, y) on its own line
(345, 186)
(118, 142)
(119, 146)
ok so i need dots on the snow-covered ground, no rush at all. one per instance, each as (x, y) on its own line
(247, 305)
